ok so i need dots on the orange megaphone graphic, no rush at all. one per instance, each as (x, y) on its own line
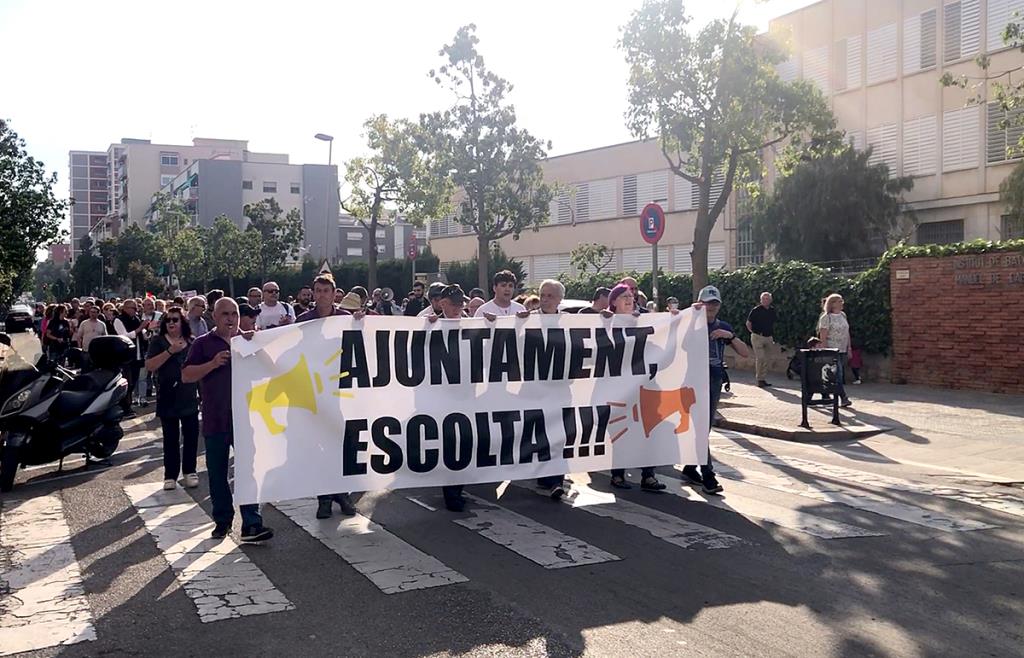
(656, 406)
(291, 389)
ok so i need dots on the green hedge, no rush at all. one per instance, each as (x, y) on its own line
(798, 289)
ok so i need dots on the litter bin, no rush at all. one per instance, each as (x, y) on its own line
(819, 375)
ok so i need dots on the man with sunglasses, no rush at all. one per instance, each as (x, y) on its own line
(273, 312)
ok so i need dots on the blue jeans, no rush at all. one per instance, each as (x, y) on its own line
(841, 377)
(715, 378)
(218, 447)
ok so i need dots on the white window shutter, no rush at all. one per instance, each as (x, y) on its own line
(1000, 12)
(602, 198)
(912, 44)
(788, 70)
(638, 259)
(681, 258)
(970, 27)
(716, 256)
(816, 68)
(651, 187)
(919, 146)
(682, 197)
(839, 63)
(882, 54)
(882, 139)
(960, 138)
(855, 138)
(548, 266)
(582, 202)
(854, 62)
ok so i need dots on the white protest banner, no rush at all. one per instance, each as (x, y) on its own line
(388, 402)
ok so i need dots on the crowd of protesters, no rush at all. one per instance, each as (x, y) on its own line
(183, 360)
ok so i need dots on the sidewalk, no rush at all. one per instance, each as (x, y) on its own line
(970, 432)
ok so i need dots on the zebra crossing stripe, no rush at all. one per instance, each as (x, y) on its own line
(388, 562)
(664, 526)
(42, 599)
(779, 515)
(536, 542)
(999, 501)
(861, 500)
(219, 578)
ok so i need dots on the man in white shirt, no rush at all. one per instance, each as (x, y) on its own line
(273, 312)
(501, 305)
(90, 328)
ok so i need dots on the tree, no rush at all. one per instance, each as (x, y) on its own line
(833, 207)
(467, 274)
(229, 251)
(133, 245)
(277, 239)
(179, 239)
(494, 163)
(714, 101)
(590, 256)
(51, 281)
(142, 279)
(85, 273)
(30, 214)
(396, 177)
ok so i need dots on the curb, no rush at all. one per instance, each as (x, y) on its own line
(825, 433)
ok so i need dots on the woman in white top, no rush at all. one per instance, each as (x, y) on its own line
(834, 332)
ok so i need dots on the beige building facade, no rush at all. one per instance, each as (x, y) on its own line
(604, 191)
(878, 63)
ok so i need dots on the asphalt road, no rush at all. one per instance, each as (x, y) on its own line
(808, 553)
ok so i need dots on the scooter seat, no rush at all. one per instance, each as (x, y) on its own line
(78, 393)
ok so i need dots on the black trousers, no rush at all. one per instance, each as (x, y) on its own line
(645, 472)
(131, 373)
(180, 458)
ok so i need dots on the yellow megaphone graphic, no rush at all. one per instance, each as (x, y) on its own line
(289, 390)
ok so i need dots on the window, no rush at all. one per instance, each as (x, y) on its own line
(354, 251)
(962, 29)
(1004, 130)
(919, 42)
(294, 188)
(638, 259)
(354, 235)
(856, 139)
(882, 54)
(816, 68)
(269, 187)
(1000, 13)
(168, 159)
(683, 263)
(882, 141)
(550, 266)
(717, 185)
(847, 63)
(651, 187)
(960, 138)
(629, 195)
(919, 146)
(1012, 228)
(247, 185)
(941, 232)
(601, 198)
(788, 70)
(165, 179)
(746, 253)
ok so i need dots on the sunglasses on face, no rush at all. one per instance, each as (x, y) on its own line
(171, 318)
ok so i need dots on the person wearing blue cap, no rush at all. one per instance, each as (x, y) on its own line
(720, 334)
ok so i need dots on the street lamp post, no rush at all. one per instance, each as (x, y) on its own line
(327, 199)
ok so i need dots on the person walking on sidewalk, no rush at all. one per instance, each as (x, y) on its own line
(761, 325)
(834, 332)
(209, 364)
(177, 404)
(720, 334)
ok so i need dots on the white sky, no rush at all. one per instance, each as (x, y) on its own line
(81, 75)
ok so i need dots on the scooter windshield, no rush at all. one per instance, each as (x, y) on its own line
(15, 373)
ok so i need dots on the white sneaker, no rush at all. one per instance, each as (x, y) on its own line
(191, 480)
(170, 485)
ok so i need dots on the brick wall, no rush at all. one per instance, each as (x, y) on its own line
(958, 321)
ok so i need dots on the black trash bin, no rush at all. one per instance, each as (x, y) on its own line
(819, 375)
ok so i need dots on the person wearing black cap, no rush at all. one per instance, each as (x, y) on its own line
(417, 303)
(323, 307)
(600, 301)
(434, 297)
(451, 300)
(247, 317)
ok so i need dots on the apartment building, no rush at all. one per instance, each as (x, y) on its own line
(394, 241)
(604, 190)
(90, 194)
(213, 187)
(879, 62)
(60, 253)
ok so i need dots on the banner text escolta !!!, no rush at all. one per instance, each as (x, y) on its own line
(394, 402)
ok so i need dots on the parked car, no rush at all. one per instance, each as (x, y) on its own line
(573, 305)
(19, 318)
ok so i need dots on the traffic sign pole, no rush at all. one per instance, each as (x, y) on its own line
(654, 274)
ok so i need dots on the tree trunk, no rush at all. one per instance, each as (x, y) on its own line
(483, 257)
(231, 286)
(371, 260)
(699, 255)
